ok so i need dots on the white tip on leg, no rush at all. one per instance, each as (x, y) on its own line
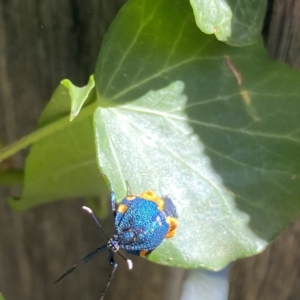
(129, 263)
(87, 209)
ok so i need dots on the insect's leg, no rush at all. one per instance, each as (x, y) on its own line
(111, 275)
(113, 199)
(128, 189)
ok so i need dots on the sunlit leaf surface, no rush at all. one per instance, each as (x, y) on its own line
(149, 143)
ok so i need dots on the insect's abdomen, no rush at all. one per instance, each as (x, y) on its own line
(140, 225)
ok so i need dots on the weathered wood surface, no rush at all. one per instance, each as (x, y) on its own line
(275, 274)
(42, 42)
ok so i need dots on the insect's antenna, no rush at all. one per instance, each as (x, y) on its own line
(95, 219)
(83, 261)
(129, 262)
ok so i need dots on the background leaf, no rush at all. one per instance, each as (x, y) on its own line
(234, 22)
(244, 109)
(63, 164)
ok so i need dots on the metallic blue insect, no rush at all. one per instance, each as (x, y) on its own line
(142, 222)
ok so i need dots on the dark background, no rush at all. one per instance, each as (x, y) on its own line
(42, 42)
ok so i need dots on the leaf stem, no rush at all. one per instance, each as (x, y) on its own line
(45, 131)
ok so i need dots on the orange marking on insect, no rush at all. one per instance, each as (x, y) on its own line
(130, 198)
(122, 208)
(151, 196)
(143, 252)
(173, 223)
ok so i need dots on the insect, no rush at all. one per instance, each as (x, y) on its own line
(142, 222)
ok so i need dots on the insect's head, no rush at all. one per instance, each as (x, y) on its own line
(113, 244)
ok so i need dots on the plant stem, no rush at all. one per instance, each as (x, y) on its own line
(45, 131)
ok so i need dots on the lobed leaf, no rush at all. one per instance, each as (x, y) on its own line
(228, 154)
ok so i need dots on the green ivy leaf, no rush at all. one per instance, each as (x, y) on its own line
(234, 22)
(236, 185)
(150, 143)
